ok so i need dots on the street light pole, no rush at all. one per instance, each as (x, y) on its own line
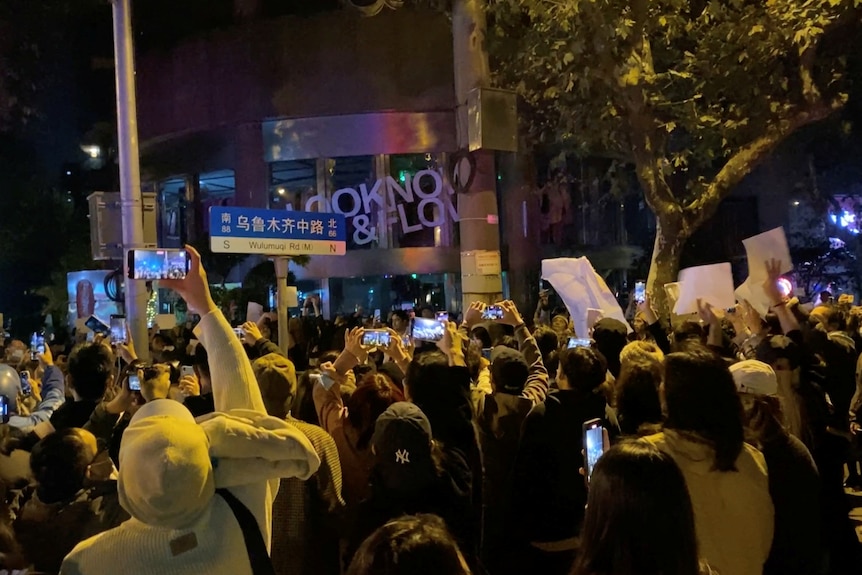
(477, 209)
(131, 202)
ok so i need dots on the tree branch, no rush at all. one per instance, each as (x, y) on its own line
(806, 74)
(646, 140)
(747, 158)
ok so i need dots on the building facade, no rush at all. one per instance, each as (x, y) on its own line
(327, 112)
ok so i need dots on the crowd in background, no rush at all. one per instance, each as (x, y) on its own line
(728, 441)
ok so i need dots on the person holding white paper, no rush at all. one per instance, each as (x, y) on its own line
(712, 284)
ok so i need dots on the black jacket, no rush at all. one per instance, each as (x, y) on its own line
(550, 494)
(73, 414)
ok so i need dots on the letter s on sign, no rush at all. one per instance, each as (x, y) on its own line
(227, 244)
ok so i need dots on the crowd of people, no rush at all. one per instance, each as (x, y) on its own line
(726, 444)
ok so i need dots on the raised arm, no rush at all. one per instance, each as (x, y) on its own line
(233, 381)
(53, 396)
(777, 300)
(536, 389)
(655, 327)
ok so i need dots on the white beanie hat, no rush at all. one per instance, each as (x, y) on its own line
(166, 476)
(754, 377)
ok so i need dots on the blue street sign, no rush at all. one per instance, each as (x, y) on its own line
(276, 232)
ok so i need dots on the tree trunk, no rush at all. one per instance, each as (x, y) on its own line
(664, 268)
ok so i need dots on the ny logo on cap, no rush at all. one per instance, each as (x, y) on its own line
(402, 456)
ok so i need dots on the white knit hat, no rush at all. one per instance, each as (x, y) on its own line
(754, 377)
(166, 476)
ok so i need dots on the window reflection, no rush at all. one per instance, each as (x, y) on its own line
(350, 174)
(399, 201)
(292, 184)
(171, 207)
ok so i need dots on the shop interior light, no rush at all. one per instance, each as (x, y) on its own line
(92, 151)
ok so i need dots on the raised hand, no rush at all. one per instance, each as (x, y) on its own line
(706, 313)
(770, 285)
(194, 288)
(251, 333)
(511, 315)
(473, 315)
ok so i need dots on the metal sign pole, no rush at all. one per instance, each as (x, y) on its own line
(131, 202)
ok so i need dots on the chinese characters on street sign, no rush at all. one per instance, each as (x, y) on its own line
(276, 232)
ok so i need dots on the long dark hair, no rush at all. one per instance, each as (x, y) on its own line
(373, 396)
(59, 464)
(763, 420)
(637, 395)
(410, 545)
(701, 398)
(639, 518)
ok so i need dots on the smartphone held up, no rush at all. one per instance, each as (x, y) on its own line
(376, 338)
(118, 329)
(135, 382)
(97, 326)
(578, 342)
(640, 292)
(158, 264)
(425, 329)
(594, 446)
(37, 346)
(492, 312)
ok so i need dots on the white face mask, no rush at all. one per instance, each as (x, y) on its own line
(17, 355)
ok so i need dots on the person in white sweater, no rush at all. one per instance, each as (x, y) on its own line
(171, 465)
(726, 478)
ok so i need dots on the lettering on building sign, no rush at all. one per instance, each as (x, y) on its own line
(325, 228)
(387, 197)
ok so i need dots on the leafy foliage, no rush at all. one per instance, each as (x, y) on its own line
(706, 77)
(695, 94)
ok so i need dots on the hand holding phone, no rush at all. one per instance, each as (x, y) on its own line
(640, 292)
(428, 329)
(189, 384)
(26, 388)
(97, 326)
(118, 329)
(575, 342)
(158, 264)
(134, 382)
(376, 338)
(594, 446)
(37, 346)
(492, 312)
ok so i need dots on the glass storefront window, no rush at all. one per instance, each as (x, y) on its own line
(171, 209)
(372, 295)
(292, 184)
(399, 201)
(423, 216)
(345, 180)
(216, 189)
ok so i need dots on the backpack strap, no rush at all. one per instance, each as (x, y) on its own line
(261, 564)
